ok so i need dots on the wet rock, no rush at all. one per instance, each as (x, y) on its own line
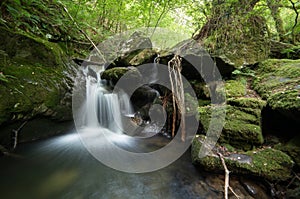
(267, 163)
(254, 189)
(144, 95)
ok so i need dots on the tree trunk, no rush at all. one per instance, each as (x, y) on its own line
(274, 8)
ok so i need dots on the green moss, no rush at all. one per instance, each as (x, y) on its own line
(35, 77)
(275, 76)
(268, 163)
(292, 148)
(33, 85)
(235, 88)
(27, 49)
(115, 74)
(242, 123)
(285, 100)
(145, 56)
(247, 102)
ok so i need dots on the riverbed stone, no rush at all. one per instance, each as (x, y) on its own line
(267, 163)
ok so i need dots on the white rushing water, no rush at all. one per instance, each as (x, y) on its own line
(103, 108)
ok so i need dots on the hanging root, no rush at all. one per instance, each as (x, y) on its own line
(226, 183)
(174, 67)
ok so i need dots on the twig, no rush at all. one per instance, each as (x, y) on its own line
(237, 196)
(16, 133)
(226, 186)
(296, 176)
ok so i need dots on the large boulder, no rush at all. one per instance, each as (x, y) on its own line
(36, 80)
(131, 47)
(193, 56)
(268, 163)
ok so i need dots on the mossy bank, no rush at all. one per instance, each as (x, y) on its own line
(35, 80)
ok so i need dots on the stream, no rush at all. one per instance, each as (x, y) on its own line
(60, 167)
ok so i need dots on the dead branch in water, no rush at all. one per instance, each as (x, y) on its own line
(226, 183)
(16, 134)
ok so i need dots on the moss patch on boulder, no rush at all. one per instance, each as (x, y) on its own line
(235, 88)
(278, 81)
(242, 123)
(145, 56)
(267, 163)
(274, 76)
(114, 74)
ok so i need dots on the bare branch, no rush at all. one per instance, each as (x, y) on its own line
(226, 183)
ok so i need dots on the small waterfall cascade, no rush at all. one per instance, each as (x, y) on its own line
(104, 108)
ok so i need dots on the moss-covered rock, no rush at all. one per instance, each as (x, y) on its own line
(278, 81)
(145, 56)
(274, 76)
(267, 163)
(292, 147)
(37, 80)
(114, 74)
(242, 123)
(236, 88)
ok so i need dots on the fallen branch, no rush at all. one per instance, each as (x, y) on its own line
(16, 134)
(226, 183)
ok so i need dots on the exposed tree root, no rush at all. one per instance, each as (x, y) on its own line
(174, 67)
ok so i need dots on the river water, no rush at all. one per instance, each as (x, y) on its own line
(61, 167)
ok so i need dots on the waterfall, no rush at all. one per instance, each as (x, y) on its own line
(103, 108)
